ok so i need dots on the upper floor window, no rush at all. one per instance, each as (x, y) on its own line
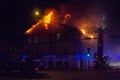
(58, 35)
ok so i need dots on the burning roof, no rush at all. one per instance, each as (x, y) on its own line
(47, 19)
(50, 19)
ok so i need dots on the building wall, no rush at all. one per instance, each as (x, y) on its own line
(57, 49)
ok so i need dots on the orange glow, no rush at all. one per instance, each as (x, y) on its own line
(89, 24)
(91, 36)
(67, 16)
(47, 19)
(51, 18)
(86, 34)
(86, 31)
(33, 27)
(83, 31)
(36, 13)
(45, 22)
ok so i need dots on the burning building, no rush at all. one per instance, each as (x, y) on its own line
(57, 44)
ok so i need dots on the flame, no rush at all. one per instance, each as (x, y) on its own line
(89, 24)
(47, 19)
(83, 31)
(51, 17)
(87, 34)
(66, 17)
(86, 31)
(91, 36)
(33, 27)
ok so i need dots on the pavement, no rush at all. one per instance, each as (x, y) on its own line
(83, 75)
(63, 75)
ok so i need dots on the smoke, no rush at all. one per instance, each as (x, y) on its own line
(90, 15)
(81, 11)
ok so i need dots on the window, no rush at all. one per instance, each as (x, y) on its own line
(58, 35)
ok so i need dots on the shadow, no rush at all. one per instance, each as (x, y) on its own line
(25, 75)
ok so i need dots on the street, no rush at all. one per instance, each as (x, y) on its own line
(64, 75)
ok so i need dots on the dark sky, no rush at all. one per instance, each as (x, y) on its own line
(15, 15)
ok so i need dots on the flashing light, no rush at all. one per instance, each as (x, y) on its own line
(88, 55)
(24, 56)
(77, 56)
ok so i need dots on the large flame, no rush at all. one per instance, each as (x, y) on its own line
(89, 24)
(86, 34)
(45, 22)
(47, 19)
(51, 17)
(86, 31)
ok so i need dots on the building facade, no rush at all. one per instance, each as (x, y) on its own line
(57, 48)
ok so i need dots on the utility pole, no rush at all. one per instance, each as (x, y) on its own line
(100, 46)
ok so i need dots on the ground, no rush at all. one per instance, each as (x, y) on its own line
(64, 75)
